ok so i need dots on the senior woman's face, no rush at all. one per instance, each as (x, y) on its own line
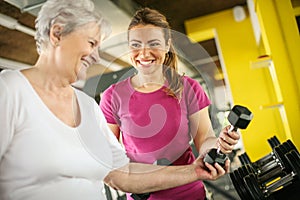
(79, 49)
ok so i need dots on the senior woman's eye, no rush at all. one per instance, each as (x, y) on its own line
(92, 43)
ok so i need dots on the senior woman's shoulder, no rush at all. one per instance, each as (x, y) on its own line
(9, 73)
(12, 78)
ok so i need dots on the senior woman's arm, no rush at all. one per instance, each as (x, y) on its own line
(143, 178)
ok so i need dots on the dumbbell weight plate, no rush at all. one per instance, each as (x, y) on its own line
(238, 182)
(248, 170)
(253, 187)
(245, 171)
(244, 159)
(280, 152)
(273, 142)
(235, 183)
(293, 158)
(287, 147)
(291, 191)
(292, 146)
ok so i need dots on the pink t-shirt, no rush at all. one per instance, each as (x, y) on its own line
(155, 126)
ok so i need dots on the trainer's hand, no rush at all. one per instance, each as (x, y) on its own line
(227, 140)
(205, 171)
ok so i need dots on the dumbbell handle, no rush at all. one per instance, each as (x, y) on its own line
(232, 128)
(219, 150)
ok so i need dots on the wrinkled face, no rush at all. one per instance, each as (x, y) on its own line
(79, 50)
(148, 48)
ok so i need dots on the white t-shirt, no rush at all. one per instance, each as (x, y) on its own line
(42, 158)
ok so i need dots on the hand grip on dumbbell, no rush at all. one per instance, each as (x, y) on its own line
(239, 117)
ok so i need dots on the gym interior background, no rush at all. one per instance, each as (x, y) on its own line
(242, 52)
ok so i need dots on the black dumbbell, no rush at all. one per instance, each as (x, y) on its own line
(273, 142)
(277, 165)
(279, 187)
(265, 163)
(239, 117)
(271, 166)
(237, 179)
(270, 180)
(244, 158)
(268, 159)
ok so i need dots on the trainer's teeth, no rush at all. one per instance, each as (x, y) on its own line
(145, 62)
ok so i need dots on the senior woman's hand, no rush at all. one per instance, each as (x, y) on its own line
(206, 171)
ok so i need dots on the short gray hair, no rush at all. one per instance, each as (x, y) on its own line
(71, 14)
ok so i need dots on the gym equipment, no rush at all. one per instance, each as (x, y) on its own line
(273, 142)
(239, 117)
(274, 176)
(266, 160)
(244, 158)
(272, 165)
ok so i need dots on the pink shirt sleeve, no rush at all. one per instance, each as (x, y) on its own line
(107, 106)
(195, 96)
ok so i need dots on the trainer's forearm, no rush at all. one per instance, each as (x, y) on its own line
(208, 144)
(141, 178)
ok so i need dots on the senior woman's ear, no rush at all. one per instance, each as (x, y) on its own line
(55, 34)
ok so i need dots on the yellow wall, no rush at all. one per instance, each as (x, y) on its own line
(250, 86)
(281, 41)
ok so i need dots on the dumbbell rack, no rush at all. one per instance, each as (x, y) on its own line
(275, 176)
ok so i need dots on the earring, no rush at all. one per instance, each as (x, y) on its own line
(56, 44)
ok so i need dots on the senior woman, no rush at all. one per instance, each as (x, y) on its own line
(54, 140)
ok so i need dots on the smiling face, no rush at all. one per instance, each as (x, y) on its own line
(148, 48)
(79, 49)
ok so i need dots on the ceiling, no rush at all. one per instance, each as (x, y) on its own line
(17, 46)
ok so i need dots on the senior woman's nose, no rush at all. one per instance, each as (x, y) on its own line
(95, 56)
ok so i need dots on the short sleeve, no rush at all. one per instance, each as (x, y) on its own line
(6, 118)
(195, 97)
(106, 105)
